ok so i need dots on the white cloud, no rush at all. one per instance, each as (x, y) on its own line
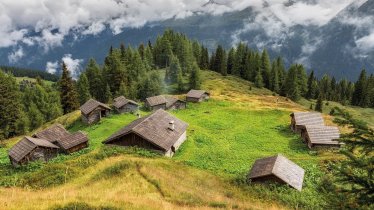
(51, 67)
(14, 56)
(366, 43)
(73, 65)
(47, 22)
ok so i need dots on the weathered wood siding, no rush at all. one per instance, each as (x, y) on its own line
(178, 105)
(39, 153)
(132, 139)
(154, 108)
(204, 97)
(177, 144)
(94, 116)
(77, 148)
(128, 108)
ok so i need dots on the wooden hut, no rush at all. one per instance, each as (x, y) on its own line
(160, 132)
(123, 105)
(164, 102)
(32, 149)
(197, 96)
(52, 133)
(59, 136)
(73, 142)
(279, 169)
(92, 111)
(321, 136)
(300, 119)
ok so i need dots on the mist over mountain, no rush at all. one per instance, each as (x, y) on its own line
(334, 37)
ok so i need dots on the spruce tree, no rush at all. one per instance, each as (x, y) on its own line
(68, 93)
(274, 78)
(311, 93)
(180, 84)
(35, 116)
(195, 80)
(359, 93)
(259, 82)
(95, 80)
(265, 68)
(174, 69)
(204, 61)
(319, 104)
(230, 60)
(354, 174)
(10, 106)
(83, 89)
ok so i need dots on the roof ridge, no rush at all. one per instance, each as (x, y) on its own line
(145, 119)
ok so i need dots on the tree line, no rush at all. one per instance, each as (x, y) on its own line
(32, 73)
(293, 82)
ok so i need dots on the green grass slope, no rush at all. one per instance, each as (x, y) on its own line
(225, 136)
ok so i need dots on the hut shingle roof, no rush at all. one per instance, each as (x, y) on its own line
(91, 105)
(27, 145)
(73, 140)
(308, 118)
(155, 129)
(323, 134)
(52, 133)
(281, 167)
(196, 93)
(158, 100)
(121, 101)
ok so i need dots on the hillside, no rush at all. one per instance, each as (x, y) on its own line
(225, 135)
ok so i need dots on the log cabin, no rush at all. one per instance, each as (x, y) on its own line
(321, 136)
(164, 102)
(300, 119)
(277, 169)
(124, 105)
(32, 149)
(92, 111)
(197, 96)
(160, 132)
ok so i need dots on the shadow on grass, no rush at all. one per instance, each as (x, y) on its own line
(295, 142)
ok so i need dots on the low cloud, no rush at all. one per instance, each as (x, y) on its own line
(48, 22)
(73, 65)
(14, 56)
(366, 43)
(51, 67)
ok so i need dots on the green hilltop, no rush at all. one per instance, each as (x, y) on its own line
(226, 134)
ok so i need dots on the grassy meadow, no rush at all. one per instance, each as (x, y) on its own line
(225, 136)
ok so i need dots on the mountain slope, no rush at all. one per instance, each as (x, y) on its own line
(225, 136)
(331, 48)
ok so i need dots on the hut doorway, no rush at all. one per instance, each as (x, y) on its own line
(103, 113)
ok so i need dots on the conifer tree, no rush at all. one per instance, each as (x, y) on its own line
(312, 89)
(107, 98)
(180, 84)
(354, 175)
(319, 104)
(10, 106)
(265, 68)
(230, 60)
(174, 69)
(360, 95)
(274, 78)
(68, 93)
(204, 61)
(259, 82)
(83, 89)
(95, 80)
(122, 91)
(195, 80)
(291, 85)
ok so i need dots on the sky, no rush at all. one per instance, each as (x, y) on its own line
(47, 22)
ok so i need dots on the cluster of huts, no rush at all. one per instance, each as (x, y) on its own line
(314, 133)
(92, 111)
(47, 144)
(164, 133)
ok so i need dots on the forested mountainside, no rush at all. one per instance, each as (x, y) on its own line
(330, 48)
(132, 72)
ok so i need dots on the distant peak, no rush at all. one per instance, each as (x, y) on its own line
(210, 2)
